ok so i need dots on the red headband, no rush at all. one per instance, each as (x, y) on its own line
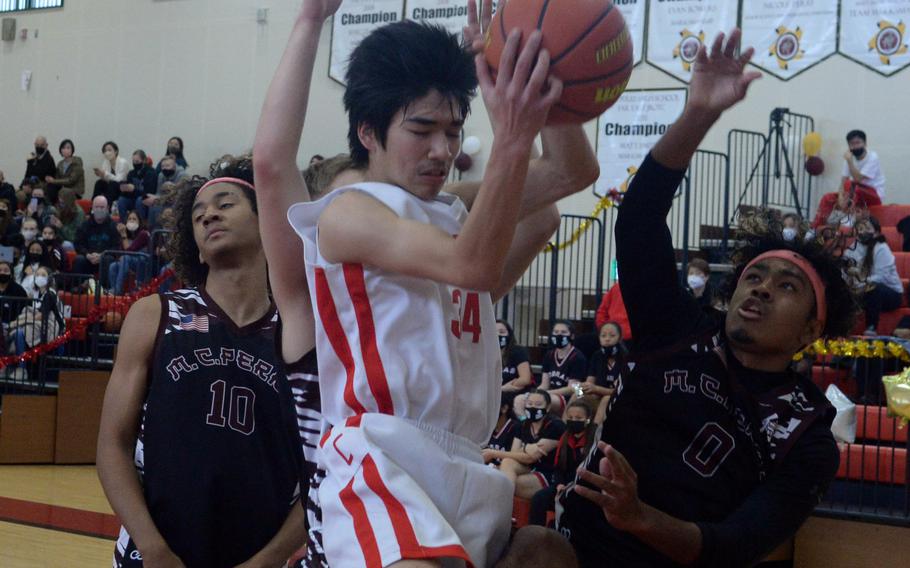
(236, 181)
(800, 261)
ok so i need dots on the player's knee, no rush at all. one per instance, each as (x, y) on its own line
(538, 547)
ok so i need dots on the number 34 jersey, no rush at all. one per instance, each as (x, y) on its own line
(218, 452)
(410, 347)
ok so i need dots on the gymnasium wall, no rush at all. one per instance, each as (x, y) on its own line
(140, 71)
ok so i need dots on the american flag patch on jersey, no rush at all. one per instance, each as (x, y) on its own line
(192, 322)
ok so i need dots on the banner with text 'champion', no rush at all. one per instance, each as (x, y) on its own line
(677, 28)
(353, 21)
(628, 131)
(789, 37)
(874, 33)
(450, 14)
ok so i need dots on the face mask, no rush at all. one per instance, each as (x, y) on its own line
(99, 215)
(789, 233)
(695, 281)
(560, 340)
(168, 173)
(535, 414)
(576, 426)
(41, 281)
(4, 278)
(865, 237)
(132, 226)
(3, 212)
(32, 258)
(610, 351)
(137, 166)
(109, 154)
(29, 234)
(503, 341)
(39, 201)
(40, 149)
(858, 152)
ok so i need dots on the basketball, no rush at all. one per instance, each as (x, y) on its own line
(112, 322)
(590, 50)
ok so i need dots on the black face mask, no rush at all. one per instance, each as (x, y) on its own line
(137, 167)
(173, 150)
(32, 258)
(576, 426)
(4, 278)
(503, 341)
(40, 150)
(858, 152)
(169, 173)
(560, 340)
(611, 351)
(865, 238)
(535, 414)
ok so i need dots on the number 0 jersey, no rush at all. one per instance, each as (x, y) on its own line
(421, 350)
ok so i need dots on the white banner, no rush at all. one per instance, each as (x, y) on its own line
(353, 21)
(873, 33)
(628, 131)
(677, 29)
(790, 37)
(634, 13)
(450, 14)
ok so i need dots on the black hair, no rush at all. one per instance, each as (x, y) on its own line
(64, 143)
(396, 65)
(179, 155)
(507, 399)
(112, 145)
(869, 259)
(142, 156)
(856, 134)
(182, 246)
(510, 342)
(762, 231)
(546, 395)
(611, 323)
(564, 322)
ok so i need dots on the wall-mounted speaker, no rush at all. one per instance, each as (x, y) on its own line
(9, 29)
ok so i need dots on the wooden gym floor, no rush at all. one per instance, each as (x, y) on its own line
(53, 516)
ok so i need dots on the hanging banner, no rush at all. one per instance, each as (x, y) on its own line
(874, 33)
(677, 29)
(450, 14)
(633, 11)
(628, 131)
(790, 37)
(353, 21)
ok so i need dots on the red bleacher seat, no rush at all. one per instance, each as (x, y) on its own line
(902, 260)
(521, 511)
(71, 324)
(80, 303)
(86, 205)
(889, 215)
(823, 376)
(887, 322)
(873, 463)
(873, 423)
(894, 238)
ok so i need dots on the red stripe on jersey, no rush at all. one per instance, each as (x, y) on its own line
(362, 528)
(353, 421)
(335, 332)
(404, 530)
(379, 384)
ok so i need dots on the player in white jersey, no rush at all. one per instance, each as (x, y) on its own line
(406, 362)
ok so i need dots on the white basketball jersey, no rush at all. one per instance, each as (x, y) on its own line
(411, 347)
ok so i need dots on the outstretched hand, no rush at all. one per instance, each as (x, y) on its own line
(318, 10)
(478, 24)
(616, 490)
(719, 79)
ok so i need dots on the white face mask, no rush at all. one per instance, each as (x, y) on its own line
(132, 226)
(109, 155)
(789, 233)
(29, 234)
(41, 281)
(695, 281)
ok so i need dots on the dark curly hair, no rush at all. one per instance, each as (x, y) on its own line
(762, 231)
(182, 245)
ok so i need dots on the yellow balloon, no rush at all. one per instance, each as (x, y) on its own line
(812, 144)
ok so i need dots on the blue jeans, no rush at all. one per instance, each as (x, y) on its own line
(118, 271)
(125, 204)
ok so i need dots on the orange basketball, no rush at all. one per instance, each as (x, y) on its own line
(590, 50)
(112, 322)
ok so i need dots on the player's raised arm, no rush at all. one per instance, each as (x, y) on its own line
(279, 183)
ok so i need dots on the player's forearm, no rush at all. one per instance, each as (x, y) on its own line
(678, 540)
(531, 236)
(289, 539)
(676, 148)
(566, 166)
(284, 111)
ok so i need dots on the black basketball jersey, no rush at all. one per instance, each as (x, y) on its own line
(573, 367)
(219, 452)
(699, 439)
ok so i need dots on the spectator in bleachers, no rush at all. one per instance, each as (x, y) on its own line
(70, 217)
(39, 208)
(874, 273)
(529, 463)
(95, 236)
(507, 427)
(9, 229)
(134, 238)
(564, 366)
(28, 233)
(152, 205)
(9, 288)
(573, 446)
(39, 165)
(111, 174)
(40, 322)
(612, 308)
(604, 367)
(697, 279)
(53, 245)
(516, 366)
(862, 167)
(792, 227)
(175, 150)
(7, 191)
(140, 181)
(34, 256)
(70, 174)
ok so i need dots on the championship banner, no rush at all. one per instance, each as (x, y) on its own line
(633, 11)
(353, 21)
(450, 14)
(677, 29)
(628, 130)
(790, 37)
(873, 33)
